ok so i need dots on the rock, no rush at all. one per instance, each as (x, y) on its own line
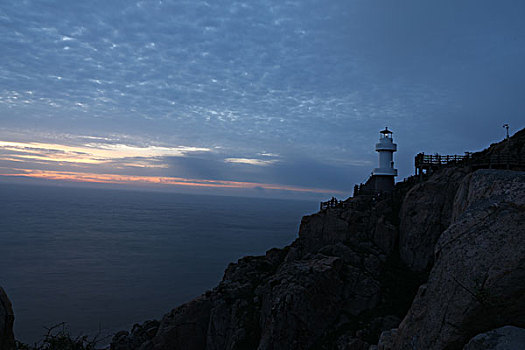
(504, 338)
(350, 343)
(306, 297)
(365, 222)
(335, 282)
(386, 340)
(317, 231)
(139, 335)
(7, 318)
(383, 232)
(426, 212)
(515, 148)
(478, 280)
(289, 299)
(482, 185)
(184, 327)
(376, 327)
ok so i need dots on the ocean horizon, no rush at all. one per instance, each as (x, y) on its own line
(104, 259)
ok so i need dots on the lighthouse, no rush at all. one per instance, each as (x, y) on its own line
(382, 179)
(383, 176)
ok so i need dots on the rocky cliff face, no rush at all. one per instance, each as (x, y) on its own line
(445, 256)
(426, 212)
(337, 286)
(478, 280)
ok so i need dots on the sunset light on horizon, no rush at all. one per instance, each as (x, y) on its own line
(95, 156)
(156, 180)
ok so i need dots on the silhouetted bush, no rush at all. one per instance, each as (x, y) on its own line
(59, 337)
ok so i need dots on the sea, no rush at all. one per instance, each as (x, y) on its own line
(100, 260)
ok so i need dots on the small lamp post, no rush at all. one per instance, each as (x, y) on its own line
(506, 126)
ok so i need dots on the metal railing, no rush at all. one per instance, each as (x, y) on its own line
(332, 203)
(498, 161)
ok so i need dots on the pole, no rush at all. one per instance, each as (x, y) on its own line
(506, 126)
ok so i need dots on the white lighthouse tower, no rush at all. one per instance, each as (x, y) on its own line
(383, 177)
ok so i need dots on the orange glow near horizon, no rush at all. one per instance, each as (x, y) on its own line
(157, 180)
(93, 153)
(89, 156)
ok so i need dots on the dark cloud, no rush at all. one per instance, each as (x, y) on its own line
(296, 171)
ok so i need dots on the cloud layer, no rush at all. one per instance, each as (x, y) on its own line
(309, 81)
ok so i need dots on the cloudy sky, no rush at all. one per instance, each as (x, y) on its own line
(273, 97)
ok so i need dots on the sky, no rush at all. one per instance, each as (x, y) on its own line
(257, 98)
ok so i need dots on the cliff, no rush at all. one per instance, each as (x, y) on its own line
(477, 282)
(338, 279)
(429, 267)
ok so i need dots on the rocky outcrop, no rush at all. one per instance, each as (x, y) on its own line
(7, 339)
(303, 297)
(336, 287)
(477, 282)
(504, 338)
(514, 147)
(339, 285)
(427, 212)
(488, 186)
(445, 256)
(140, 334)
(292, 308)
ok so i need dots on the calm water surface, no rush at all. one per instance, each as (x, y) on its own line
(106, 258)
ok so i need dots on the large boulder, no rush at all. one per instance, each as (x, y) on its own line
(478, 280)
(7, 318)
(504, 338)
